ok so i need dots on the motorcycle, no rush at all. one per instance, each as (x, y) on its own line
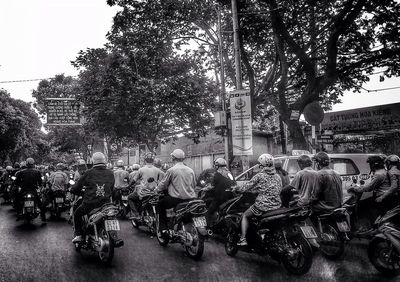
(123, 203)
(6, 192)
(282, 234)
(29, 207)
(100, 228)
(59, 203)
(186, 225)
(147, 213)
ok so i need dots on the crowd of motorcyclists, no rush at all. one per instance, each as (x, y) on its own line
(316, 186)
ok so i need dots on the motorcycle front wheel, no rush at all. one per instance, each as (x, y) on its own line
(107, 253)
(299, 256)
(331, 244)
(384, 256)
(196, 248)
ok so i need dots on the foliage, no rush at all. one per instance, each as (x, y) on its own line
(20, 135)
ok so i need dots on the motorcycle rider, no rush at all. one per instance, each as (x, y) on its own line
(16, 168)
(281, 172)
(135, 169)
(57, 181)
(221, 182)
(81, 169)
(380, 184)
(29, 180)
(305, 180)
(99, 184)
(268, 184)
(121, 180)
(392, 163)
(143, 175)
(180, 181)
(327, 194)
(6, 178)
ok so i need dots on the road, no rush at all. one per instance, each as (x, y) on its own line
(45, 253)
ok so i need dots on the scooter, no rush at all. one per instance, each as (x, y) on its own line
(100, 228)
(187, 225)
(147, 213)
(29, 207)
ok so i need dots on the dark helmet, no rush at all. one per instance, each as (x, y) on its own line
(149, 157)
(304, 161)
(322, 159)
(376, 161)
(16, 165)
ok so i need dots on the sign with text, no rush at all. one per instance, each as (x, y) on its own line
(377, 118)
(242, 134)
(63, 111)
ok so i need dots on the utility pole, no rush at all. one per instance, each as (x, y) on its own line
(236, 43)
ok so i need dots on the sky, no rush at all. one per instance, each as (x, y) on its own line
(39, 39)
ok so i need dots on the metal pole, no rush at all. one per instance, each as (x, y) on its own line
(236, 44)
(223, 90)
(313, 137)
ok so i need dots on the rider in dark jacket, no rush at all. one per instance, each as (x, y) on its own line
(98, 183)
(29, 179)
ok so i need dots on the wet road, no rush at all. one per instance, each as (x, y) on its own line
(45, 253)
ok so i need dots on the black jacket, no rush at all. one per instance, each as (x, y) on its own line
(28, 179)
(98, 183)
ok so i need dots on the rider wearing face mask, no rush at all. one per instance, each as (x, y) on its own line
(180, 181)
(99, 184)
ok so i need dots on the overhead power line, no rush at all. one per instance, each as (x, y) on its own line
(381, 89)
(28, 80)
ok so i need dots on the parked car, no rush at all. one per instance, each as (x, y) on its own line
(351, 167)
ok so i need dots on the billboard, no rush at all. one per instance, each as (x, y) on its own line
(63, 111)
(242, 137)
(376, 118)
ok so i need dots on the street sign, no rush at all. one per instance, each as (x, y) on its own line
(114, 147)
(242, 131)
(325, 139)
(63, 111)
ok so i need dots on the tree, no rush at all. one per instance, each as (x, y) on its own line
(139, 86)
(20, 134)
(297, 52)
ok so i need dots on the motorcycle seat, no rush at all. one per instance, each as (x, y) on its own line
(280, 211)
(335, 211)
(187, 202)
(92, 212)
(227, 203)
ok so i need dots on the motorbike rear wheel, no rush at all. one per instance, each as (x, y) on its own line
(331, 243)
(107, 254)
(384, 256)
(162, 240)
(196, 249)
(300, 258)
(231, 247)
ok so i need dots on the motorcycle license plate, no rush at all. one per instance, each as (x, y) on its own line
(59, 200)
(308, 232)
(343, 226)
(124, 198)
(112, 225)
(29, 204)
(200, 221)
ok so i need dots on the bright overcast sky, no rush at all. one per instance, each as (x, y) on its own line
(39, 38)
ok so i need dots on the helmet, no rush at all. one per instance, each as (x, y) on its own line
(81, 162)
(165, 167)
(23, 164)
(9, 167)
(220, 162)
(157, 162)
(120, 163)
(99, 158)
(266, 160)
(16, 165)
(304, 161)
(149, 157)
(135, 167)
(60, 166)
(178, 154)
(30, 161)
(322, 159)
(392, 160)
(376, 161)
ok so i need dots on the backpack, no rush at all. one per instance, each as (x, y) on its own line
(58, 181)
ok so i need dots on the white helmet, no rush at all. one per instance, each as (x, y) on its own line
(99, 158)
(266, 160)
(120, 163)
(178, 154)
(135, 167)
(220, 162)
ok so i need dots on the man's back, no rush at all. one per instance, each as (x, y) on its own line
(180, 181)
(58, 180)
(328, 193)
(120, 175)
(149, 171)
(28, 179)
(305, 182)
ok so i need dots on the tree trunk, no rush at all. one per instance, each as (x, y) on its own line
(296, 134)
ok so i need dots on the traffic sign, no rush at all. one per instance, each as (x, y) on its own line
(313, 113)
(113, 147)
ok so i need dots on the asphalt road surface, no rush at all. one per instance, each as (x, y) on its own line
(45, 253)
